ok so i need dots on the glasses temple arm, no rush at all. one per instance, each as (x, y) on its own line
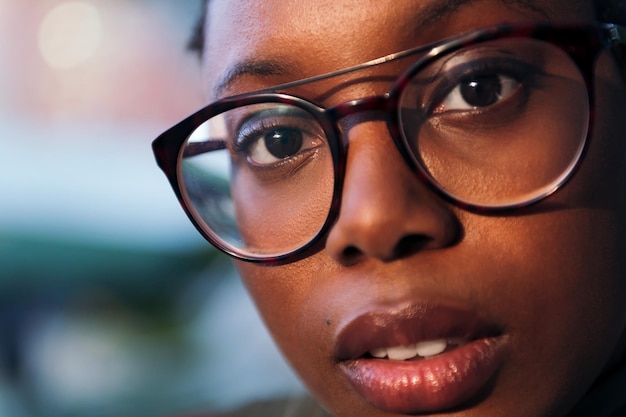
(617, 34)
(371, 63)
(197, 148)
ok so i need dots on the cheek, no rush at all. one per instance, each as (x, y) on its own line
(563, 262)
(279, 212)
(560, 267)
(297, 313)
(282, 295)
(556, 280)
(567, 256)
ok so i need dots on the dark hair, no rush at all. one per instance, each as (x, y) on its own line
(196, 42)
(610, 11)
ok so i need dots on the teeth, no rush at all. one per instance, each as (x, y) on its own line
(423, 349)
(401, 353)
(431, 347)
(379, 353)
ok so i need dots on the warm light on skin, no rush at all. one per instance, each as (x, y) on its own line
(547, 280)
(70, 34)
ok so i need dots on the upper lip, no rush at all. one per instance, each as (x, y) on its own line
(408, 324)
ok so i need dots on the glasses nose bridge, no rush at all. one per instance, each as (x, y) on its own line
(372, 104)
(380, 107)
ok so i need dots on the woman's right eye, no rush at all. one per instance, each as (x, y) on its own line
(275, 145)
(270, 141)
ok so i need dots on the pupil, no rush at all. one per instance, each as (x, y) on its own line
(283, 143)
(482, 91)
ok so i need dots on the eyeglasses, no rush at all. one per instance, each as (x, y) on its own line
(492, 120)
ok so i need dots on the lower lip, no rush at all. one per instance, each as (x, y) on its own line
(434, 384)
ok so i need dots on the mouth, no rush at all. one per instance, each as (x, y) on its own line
(425, 349)
(420, 358)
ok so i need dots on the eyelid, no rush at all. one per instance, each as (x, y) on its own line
(264, 123)
(517, 69)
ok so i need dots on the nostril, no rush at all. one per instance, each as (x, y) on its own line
(406, 246)
(351, 252)
(410, 245)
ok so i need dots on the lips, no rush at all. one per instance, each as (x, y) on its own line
(420, 357)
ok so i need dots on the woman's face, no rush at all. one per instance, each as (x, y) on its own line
(510, 315)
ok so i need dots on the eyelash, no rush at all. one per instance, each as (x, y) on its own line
(248, 137)
(527, 75)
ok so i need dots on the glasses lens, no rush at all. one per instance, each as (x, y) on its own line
(259, 178)
(498, 123)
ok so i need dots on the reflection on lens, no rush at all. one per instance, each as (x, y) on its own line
(259, 178)
(499, 123)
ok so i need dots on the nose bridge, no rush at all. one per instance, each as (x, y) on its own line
(370, 144)
(386, 212)
(375, 108)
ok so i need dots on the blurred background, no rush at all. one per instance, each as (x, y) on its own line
(110, 302)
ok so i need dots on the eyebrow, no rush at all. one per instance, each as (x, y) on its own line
(258, 68)
(428, 16)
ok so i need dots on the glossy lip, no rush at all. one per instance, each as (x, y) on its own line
(434, 384)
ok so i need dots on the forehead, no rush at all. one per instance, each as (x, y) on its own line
(305, 38)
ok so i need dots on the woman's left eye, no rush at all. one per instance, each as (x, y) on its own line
(479, 91)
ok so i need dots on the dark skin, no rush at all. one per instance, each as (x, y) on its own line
(551, 276)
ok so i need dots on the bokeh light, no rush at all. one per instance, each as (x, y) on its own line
(111, 304)
(70, 34)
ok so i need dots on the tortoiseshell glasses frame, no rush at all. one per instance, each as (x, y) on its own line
(581, 43)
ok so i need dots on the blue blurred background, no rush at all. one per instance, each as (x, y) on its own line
(110, 302)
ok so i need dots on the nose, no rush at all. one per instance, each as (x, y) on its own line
(386, 212)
